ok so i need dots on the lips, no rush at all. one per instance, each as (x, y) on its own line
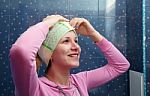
(73, 55)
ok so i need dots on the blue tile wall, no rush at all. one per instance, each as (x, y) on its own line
(102, 7)
(134, 34)
(110, 8)
(107, 16)
(147, 29)
(147, 2)
(83, 7)
(53, 6)
(135, 38)
(121, 8)
(6, 84)
(23, 7)
(4, 7)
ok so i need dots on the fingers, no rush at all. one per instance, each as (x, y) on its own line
(73, 22)
(52, 19)
(76, 22)
(61, 18)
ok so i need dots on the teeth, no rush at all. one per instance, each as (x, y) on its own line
(73, 55)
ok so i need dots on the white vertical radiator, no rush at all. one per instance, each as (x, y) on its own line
(136, 83)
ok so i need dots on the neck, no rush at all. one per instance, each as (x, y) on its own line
(60, 76)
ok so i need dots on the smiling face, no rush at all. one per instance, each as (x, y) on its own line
(67, 52)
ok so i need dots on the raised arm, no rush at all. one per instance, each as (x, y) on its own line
(117, 63)
(23, 55)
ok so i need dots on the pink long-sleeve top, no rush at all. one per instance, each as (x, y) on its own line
(26, 80)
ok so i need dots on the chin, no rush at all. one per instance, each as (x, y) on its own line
(75, 65)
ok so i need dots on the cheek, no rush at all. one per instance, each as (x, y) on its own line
(61, 51)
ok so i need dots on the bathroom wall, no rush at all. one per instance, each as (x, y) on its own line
(107, 16)
(147, 45)
(138, 37)
(134, 35)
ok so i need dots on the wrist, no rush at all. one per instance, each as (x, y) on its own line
(96, 36)
(47, 24)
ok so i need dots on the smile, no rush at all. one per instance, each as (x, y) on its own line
(73, 55)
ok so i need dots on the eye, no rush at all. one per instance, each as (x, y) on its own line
(65, 41)
(76, 41)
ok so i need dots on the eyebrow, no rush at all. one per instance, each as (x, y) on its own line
(69, 37)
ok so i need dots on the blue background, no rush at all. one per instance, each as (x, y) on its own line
(120, 21)
(147, 45)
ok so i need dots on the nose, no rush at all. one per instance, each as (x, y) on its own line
(75, 46)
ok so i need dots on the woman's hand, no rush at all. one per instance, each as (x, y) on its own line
(83, 27)
(52, 19)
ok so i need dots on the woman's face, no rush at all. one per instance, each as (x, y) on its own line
(67, 52)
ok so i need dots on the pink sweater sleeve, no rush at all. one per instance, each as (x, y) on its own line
(22, 57)
(117, 64)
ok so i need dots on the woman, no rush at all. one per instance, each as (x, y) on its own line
(54, 40)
